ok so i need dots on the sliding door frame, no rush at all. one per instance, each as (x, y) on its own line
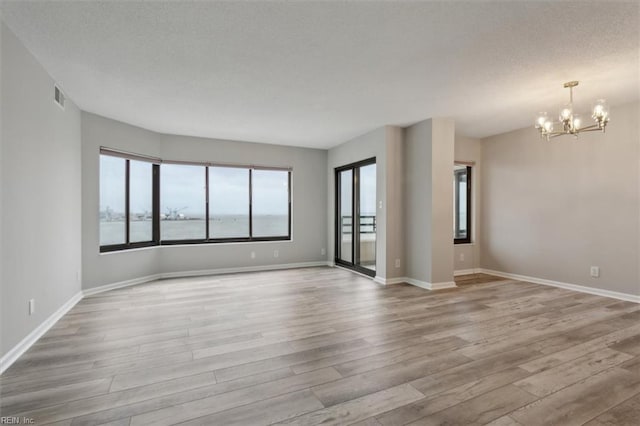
(355, 220)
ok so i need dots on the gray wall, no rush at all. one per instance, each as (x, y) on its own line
(41, 244)
(417, 206)
(395, 202)
(442, 145)
(552, 209)
(467, 256)
(108, 268)
(309, 210)
(2, 291)
(428, 216)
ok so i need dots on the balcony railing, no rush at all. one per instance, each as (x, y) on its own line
(367, 224)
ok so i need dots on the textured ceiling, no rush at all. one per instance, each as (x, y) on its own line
(317, 74)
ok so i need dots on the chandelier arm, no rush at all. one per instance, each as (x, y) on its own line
(556, 134)
(592, 128)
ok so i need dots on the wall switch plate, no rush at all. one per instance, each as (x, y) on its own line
(276, 253)
(32, 306)
(397, 263)
(323, 251)
(253, 254)
(595, 271)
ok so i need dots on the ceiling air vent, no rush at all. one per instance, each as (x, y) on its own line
(58, 96)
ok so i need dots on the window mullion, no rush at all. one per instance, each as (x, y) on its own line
(206, 207)
(289, 189)
(457, 204)
(469, 202)
(250, 204)
(127, 194)
(155, 213)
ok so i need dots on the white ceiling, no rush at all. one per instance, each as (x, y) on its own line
(317, 74)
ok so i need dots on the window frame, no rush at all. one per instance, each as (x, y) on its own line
(155, 195)
(157, 237)
(456, 198)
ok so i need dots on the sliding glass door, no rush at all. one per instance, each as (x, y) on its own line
(356, 216)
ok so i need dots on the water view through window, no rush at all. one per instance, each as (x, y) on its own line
(270, 203)
(112, 200)
(182, 202)
(228, 202)
(144, 203)
(140, 201)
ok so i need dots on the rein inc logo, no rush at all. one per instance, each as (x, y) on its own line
(6, 420)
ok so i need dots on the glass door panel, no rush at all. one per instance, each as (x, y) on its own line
(345, 216)
(367, 216)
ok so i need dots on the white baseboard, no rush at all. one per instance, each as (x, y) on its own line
(422, 284)
(259, 268)
(443, 285)
(120, 284)
(466, 272)
(15, 352)
(200, 273)
(10, 357)
(430, 286)
(389, 281)
(575, 287)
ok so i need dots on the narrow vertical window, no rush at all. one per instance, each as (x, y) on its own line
(113, 228)
(270, 203)
(462, 204)
(140, 201)
(228, 202)
(182, 202)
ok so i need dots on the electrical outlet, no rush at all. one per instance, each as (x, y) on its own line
(78, 275)
(595, 271)
(32, 306)
(323, 251)
(253, 254)
(461, 257)
(397, 263)
(276, 253)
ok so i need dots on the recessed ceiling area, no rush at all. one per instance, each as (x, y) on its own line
(318, 74)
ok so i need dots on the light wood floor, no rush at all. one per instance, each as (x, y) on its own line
(322, 345)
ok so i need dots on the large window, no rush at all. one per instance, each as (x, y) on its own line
(462, 204)
(146, 203)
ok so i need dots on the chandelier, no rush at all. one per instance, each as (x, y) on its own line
(570, 123)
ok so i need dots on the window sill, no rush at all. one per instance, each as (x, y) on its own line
(104, 253)
(194, 245)
(235, 243)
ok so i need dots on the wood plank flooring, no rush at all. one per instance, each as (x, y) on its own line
(325, 346)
